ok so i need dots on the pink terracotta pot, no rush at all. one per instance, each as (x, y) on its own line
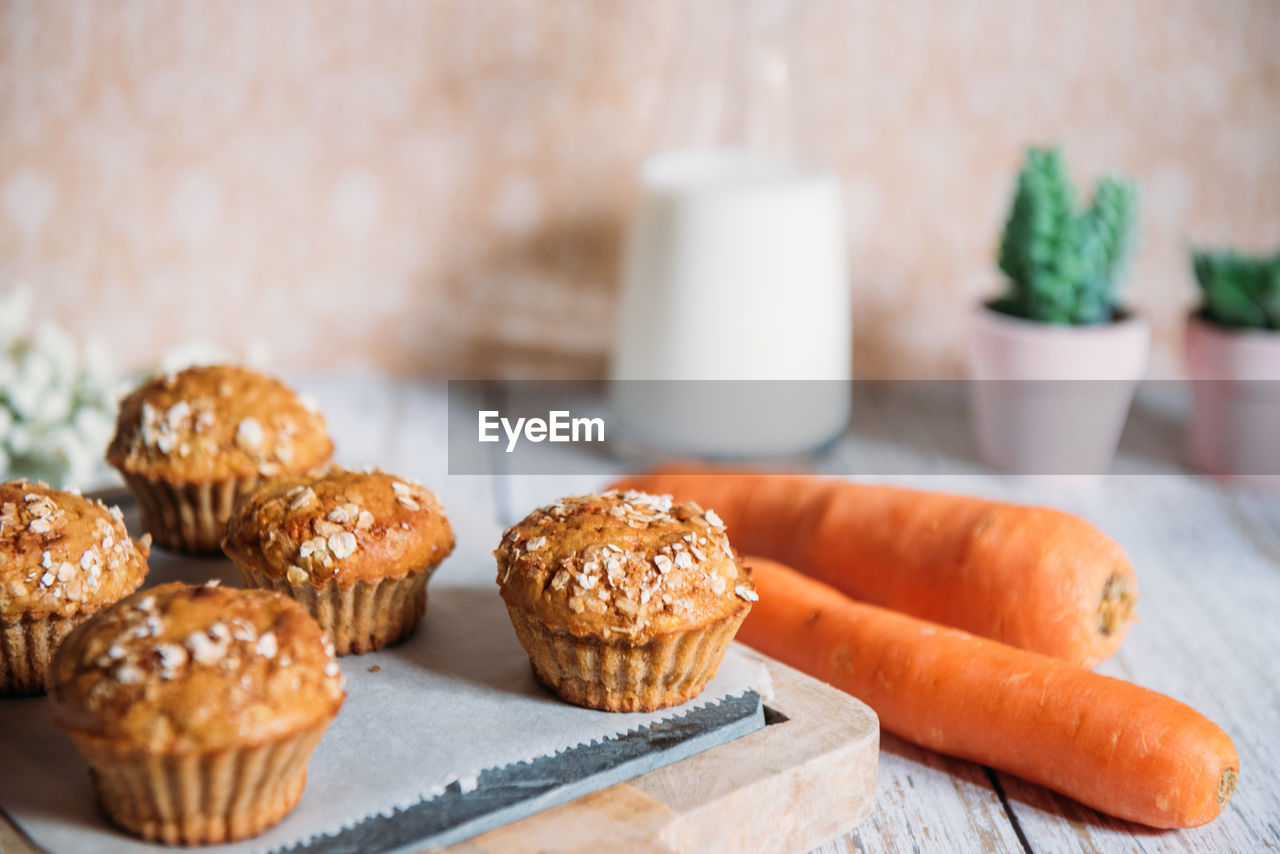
(1235, 421)
(1052, 400)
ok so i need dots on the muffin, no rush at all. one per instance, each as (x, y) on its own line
(624, 601)
(63, 557)
(355, 548)
(191, 444)
(196, 709)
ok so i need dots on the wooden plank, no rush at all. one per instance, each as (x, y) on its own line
(928, 802)
(13, 840)
(628, 819)
(788, 787)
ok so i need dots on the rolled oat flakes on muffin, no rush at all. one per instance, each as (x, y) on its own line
(197, 709)
(63, 557)
(624, 601)
(192, 444)
(355, 548)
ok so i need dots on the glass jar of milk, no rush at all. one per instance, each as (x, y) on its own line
(733, 330)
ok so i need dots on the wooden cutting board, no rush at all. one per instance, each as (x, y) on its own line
(808, 776)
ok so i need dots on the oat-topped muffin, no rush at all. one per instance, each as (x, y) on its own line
(62, 558)
(624, 601)
(355, 548)
(190, 444)
(196, 708)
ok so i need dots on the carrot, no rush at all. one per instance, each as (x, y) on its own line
(1033, 577)
(1112, 745)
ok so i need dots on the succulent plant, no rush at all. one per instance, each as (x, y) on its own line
(1239, 290)
(1063, 263)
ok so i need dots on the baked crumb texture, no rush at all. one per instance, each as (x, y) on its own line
(197, 708)
(191, 444)
(63, 557)
(355, 548)
(624, 601)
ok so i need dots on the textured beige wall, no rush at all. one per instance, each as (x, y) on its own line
(440, 187)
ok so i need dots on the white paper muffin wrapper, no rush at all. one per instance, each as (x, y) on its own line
(26, 646)
(189, 517)
(360, 618)
(199, 798)
(618, 676)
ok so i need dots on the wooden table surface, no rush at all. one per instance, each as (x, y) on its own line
(1208, 562)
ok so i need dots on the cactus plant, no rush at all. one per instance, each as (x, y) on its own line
(1063, 263)
(1239, 290)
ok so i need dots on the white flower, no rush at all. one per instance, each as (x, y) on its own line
(94, 426)
(34, 376)
(97, 369)
(21, 439)
(54, 406)
(58, 348)
(78, 458)
(16, 306)
(57, 403)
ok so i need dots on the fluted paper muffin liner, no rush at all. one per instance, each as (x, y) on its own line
(189, 517)
(618, 676)
(357, 619)
(26, 646)
(199, 798)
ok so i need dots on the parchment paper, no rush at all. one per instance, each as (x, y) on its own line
(457, 698)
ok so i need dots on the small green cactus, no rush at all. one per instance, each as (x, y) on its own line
(1063, 263)
(1239, 290)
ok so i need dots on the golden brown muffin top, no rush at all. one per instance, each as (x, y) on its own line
(62, 553)
(342, 526)
(622, 564)
(179, 668)
(217, 421)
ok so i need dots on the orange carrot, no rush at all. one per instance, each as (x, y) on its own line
(1112, 745)
(1033, 577)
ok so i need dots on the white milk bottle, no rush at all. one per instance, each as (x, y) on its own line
(733, 330)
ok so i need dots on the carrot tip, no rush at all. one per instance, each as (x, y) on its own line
(1227, 785)
(1115, 609)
